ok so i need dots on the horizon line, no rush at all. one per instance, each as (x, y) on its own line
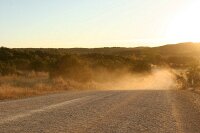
(100, 47)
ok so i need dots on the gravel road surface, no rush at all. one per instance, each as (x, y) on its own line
(103, 111)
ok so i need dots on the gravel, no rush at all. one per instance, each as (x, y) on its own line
(164, 111)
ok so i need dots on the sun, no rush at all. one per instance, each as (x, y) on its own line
(185, 26)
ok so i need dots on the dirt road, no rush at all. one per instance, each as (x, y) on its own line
(103, 111)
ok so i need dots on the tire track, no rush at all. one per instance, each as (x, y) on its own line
(44, 109)
(175, 112)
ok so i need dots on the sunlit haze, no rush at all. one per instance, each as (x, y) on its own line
(98, 23)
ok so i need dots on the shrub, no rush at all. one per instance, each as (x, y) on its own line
(6, 69)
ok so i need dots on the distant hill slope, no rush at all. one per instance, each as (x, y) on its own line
(182, 49)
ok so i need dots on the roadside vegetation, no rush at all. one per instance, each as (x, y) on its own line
(29, 72)
(190, 78)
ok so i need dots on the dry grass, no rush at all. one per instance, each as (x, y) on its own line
(33, 84)
(13, 87)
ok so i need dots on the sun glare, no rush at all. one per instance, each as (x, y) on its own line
(185, 26)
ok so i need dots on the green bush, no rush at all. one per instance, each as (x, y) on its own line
(6, 69)
(142, 66)
(71, 67)
(193, 76)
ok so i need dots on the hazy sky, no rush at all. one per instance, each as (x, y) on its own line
(96, 23)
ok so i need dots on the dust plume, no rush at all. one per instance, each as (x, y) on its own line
(158, 79)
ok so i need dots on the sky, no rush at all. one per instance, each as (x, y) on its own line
(97, 23)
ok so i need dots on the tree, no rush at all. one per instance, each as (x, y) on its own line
(142, 66)
(193, 75)
(71, 67)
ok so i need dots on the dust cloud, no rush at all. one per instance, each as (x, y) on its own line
(158, 79)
